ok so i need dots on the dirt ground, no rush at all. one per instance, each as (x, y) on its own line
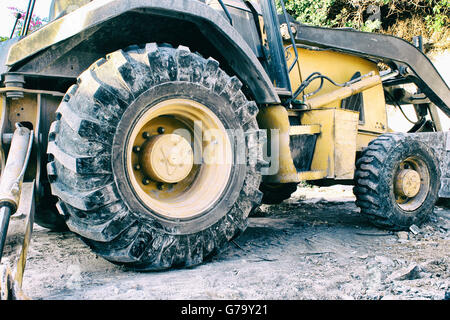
(315, 245)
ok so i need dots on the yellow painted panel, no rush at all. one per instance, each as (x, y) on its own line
(276, 117)
(23, 109)
(345, 130)
(363, 139)
(323, 159)
(375, 115)
(2, 105)
(340, 68)
(311, 175)
(304, 129)
(336, 145)
(2, 113)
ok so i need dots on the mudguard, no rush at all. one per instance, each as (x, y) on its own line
(99, 20)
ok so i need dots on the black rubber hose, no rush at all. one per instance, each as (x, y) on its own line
(5, 215)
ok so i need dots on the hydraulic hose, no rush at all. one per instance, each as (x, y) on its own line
(12, 177)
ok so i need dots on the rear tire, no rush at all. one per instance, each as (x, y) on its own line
(377, 172)
(87, 153)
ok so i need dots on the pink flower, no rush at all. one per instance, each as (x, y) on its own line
(35, 23)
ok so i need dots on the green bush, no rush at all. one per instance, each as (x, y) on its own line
(309, 11)
(349, 13)
(440, 17)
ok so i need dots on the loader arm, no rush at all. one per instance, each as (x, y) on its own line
(412, 63)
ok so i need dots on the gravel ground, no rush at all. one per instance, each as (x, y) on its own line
(315, 245)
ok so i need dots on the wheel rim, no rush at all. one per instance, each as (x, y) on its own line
(178, 158)
(411, 183)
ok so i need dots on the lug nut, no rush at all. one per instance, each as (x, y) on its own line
(159, 186)
(146, 181)
(161, 130)
(146, 135)
(137, 167)
(136, 149)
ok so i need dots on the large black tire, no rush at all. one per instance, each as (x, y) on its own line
(86, 170)
(374, 181)
(276, 193)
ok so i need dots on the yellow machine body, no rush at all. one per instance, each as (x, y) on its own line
(340, 133)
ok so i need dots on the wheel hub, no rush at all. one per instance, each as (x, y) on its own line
(411, 183)
(167, 158)
(178, 158)
(407, 183)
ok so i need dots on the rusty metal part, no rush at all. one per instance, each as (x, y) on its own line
(37, 108)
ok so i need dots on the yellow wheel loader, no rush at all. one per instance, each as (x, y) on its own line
(153, 128)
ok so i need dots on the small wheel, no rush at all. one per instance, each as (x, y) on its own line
(143, 161)
(397, 181)
(276, 193)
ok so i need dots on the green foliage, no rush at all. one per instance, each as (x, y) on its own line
(440, 17)
(350, 13)
(309, 11)
(371, 26)
(3, 38)
(36, 22)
